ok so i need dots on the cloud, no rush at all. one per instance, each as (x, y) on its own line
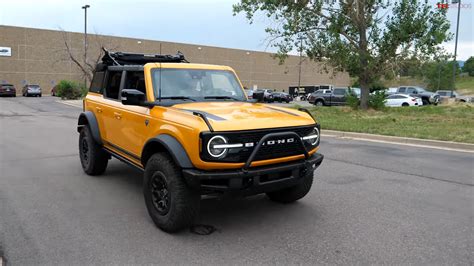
(465, 49)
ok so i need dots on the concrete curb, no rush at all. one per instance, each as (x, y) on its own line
(401, 140)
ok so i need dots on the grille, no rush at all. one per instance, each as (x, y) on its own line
(266, 151)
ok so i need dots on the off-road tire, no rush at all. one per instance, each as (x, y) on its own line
(94, 159)
(294, 193)
(182, 202)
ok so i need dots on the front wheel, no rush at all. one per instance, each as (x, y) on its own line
(294, 193)
(172, 205)
(94, 159)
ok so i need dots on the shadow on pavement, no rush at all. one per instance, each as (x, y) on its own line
(223, 213)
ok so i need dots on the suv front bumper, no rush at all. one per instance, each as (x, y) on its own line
(253, 180)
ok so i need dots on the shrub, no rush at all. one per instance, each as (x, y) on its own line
(71, 90)
(377, 100)
(352, 100)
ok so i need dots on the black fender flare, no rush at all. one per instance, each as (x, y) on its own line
(88, 118)
(170, 144)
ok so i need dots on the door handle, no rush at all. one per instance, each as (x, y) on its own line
(98, 109)
(118, 115)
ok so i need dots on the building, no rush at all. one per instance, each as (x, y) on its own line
(37, 56)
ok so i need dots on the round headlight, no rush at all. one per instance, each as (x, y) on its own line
(313, 137)
(216, 152)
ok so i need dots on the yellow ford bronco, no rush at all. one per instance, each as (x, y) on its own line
(192, 131)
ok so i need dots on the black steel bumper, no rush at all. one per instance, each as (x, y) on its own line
(253, 180)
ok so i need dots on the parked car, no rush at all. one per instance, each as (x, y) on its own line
(453, 94)
(31, 90)
(356, 91)
(263, 95)
(249, 93)
(337, 96)
(7, 90)
(391, 90)
(396, 100)
(189, 142)
(426, 96)
(282, 97)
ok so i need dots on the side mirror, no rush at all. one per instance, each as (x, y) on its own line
(133, 97)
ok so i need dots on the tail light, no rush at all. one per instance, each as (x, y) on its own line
(413, 99)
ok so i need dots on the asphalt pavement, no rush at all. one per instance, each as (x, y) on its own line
(371, 203)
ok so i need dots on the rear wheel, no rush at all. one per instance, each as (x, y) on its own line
(293, 193)
(94, 159)
(405, 104)
(171, 204)
(425, 102)
(319, 103)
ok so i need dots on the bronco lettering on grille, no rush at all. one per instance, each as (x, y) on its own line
(271, 142)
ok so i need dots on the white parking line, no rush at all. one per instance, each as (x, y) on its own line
(401, 143)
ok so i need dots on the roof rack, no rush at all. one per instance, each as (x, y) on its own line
(121, 58)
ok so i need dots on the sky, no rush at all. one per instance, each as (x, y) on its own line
(204, 22)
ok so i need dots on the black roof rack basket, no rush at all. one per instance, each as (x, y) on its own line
(121, 58)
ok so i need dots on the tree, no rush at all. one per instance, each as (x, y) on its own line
(439, 75)
(469, 66)
(364, 37)
(87, 68)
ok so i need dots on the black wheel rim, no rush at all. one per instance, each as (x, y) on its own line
(160, 193)
(85, 151)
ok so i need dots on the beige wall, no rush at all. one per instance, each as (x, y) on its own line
(39, 57)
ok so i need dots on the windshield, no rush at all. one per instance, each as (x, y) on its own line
(196, 84)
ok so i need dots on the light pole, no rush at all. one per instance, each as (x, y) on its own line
(456, 46)
(85, 42)
(299, 71)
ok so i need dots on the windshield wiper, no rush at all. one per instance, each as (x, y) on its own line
(222, 97)
(177, 98)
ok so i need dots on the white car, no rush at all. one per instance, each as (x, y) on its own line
(396, 100)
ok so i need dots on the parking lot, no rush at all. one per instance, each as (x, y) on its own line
(371, 203)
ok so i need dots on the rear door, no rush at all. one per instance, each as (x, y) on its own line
(339, 96)
(395, 100)
(95, 100)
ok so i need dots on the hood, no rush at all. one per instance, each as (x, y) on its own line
(228, 116)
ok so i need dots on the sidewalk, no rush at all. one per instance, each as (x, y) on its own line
(74, 103)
